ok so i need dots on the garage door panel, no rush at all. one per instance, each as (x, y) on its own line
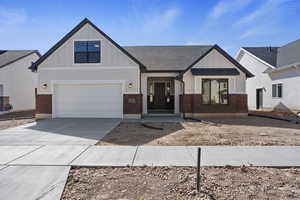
(94, 100)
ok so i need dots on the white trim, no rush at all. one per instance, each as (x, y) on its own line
(85, 82)
(88, 67)
(260, 60)
(73, 51)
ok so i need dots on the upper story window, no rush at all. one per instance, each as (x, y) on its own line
(215, 91)
(277, 90)
(87, 52)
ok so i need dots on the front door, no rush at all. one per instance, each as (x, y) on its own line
(259, 98)
(159, 98)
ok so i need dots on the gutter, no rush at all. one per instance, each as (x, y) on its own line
(295, 66)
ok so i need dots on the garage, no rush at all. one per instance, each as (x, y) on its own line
(103, 100)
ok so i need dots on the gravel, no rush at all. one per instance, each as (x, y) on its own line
(178, 183)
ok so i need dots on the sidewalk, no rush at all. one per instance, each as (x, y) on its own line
(41, 172)
(81, 155)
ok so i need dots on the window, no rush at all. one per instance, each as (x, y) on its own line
(215, 91)
(277, 90)
(87, 52)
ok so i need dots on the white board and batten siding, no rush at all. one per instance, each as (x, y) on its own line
(103, 84)
(193, 84)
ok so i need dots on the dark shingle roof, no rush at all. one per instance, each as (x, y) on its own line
(167, 58)
(289, 54)
(9, 56)
(267, 54)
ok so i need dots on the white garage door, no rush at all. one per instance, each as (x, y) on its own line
(88, 100)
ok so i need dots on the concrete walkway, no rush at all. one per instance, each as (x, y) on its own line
(80, 155)
(33, 182)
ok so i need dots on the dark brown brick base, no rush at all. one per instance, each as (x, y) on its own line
(132, 103)
(192, 103)
(43, 104)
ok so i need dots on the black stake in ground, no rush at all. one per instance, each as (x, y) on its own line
(198, 169)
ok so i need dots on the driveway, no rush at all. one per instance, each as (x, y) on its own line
(59, 131)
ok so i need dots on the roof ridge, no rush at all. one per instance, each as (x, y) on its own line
(167, 45)
(262, 47)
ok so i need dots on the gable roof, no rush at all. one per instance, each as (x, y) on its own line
(71, 33)
(167, 58)
(226, 55)
(267, 54)
(9, 56)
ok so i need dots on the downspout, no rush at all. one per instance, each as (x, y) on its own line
(180, 79)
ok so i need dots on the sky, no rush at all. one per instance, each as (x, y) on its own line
(39, 24)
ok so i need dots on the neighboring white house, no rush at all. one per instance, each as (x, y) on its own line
(87, 74)
(276, 81)
(17, 81)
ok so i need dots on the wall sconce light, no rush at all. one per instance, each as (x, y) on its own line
(44, 86)
(130, 85)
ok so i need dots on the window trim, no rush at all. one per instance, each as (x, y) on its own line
(210, 79)
(82, 40)
(276, 91)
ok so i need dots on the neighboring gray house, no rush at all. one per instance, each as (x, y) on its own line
(87, 74)
(276, 81)
(17, 82)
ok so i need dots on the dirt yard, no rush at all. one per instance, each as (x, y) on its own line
(225, 131)
(13, 119)
(178, 183)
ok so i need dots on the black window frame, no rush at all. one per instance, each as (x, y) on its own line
(210, 80)
(275, 90)
(87, 52)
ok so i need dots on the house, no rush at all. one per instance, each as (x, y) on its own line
(277, 77)
(17, 82)
(87, 74)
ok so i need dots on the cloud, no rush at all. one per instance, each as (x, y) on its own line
(264, 10)
(227, 6)
(160, 20)
(255, 31)
(264, 20)
(10, 16)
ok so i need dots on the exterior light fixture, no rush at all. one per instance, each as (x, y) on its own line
(130, 85)
(44, 86)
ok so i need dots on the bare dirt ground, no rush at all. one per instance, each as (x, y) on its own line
(178, 183)
(14, 119)
(286, 115)
(217, 131)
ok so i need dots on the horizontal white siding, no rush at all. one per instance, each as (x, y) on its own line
(289, 78)
(119, 74)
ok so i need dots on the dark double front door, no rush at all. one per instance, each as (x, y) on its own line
(161, 95)
(160, 99)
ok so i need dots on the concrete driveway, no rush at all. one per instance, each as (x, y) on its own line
(59, 131)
